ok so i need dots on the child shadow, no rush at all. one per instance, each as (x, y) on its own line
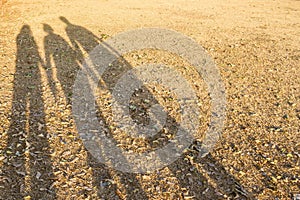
(65, 63)
(83, 41)
(27, 167)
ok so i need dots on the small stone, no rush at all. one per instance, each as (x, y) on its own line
(242, 173)
(27, 198)
(38, 175)
(274, 179)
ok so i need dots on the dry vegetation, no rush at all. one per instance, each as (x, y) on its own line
(256, 47)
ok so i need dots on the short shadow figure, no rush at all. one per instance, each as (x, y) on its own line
(27, 166)
(65, 62)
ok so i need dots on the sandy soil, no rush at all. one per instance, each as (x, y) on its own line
(254, 43)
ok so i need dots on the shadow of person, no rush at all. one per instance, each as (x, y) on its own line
(198, 183)
(65, 63)
(80, 37)
(206, 178)
(27, 166)
(83, 41)
(203, 189)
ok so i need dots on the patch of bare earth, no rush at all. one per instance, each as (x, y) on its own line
(255, 44)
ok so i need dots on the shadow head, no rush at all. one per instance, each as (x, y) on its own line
(64, 20)
(47, 28)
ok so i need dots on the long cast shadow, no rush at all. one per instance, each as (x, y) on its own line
(217, 184)
(225, 183)
(211, 181)
(83, 41)
(27, 166)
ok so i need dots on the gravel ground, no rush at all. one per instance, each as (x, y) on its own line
(255, 45)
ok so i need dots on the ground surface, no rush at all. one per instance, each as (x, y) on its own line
(256, 47)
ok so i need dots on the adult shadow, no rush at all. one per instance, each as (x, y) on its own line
(27, 167)
(80, 37)
(210, 181)
(83, 41)
(206, 178)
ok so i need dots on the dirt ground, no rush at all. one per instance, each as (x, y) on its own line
(255, 45)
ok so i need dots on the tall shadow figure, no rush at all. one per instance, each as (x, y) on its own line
(188, 176)
(27, 166)
(80, 37)
(83, 39)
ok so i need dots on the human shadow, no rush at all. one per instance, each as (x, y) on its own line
(80, 37)
(212, 182)
(82, 42)
(27, 167)
(206, 178)
(65, 63)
